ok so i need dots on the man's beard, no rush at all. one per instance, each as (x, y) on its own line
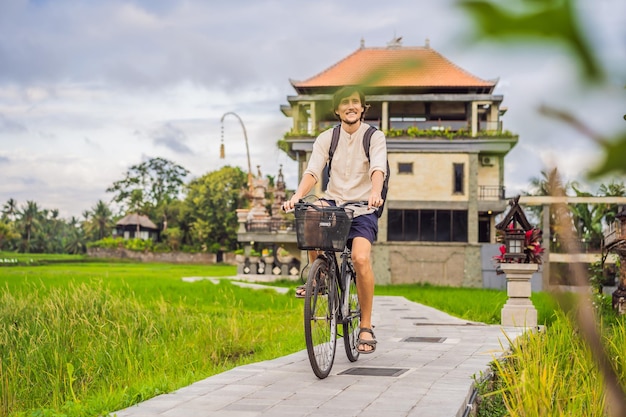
(350, 122)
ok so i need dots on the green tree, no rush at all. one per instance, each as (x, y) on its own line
(74, 241)
(210, 208)
(590, 219)
(49, 235)
(148, 186)
(9, 209)
(169, 214)
(98, 221)
(613, 189)
(587, 220)
(27, 223)
(549, 184)
(172, 237)
(8, 235)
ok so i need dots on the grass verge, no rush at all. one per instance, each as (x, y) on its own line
(86, 339)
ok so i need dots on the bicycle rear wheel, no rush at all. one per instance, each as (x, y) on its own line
(352, 320)
(320, 318)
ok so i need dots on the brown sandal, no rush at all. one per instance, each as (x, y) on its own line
(369, 342)
(301, 291)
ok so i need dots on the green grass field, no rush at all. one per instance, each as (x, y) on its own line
(85, 338)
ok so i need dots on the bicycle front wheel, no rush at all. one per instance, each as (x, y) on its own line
(320, 318)
(352, 319)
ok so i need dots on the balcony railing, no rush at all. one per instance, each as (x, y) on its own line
(613, 233)
(270, 226)
(491, 192)
(560, 245)
(452, 125)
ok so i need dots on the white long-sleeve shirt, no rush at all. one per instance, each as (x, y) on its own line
(351, 172)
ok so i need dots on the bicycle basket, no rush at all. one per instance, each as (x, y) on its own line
(322, 228)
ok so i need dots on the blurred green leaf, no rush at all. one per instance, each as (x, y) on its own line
(552, 20)
(614, 161)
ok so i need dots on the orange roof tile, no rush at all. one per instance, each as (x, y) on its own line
(395, 67)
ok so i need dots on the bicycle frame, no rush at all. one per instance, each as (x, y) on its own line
(343, 278)
(340, 272)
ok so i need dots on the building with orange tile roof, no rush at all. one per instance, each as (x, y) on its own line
(446, 148)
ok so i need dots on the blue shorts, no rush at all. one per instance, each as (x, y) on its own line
(365, 226)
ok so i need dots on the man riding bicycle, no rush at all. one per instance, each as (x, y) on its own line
(352, 177)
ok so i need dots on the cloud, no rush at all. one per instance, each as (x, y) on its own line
(9, 126)
(172, 138)
(88, 89)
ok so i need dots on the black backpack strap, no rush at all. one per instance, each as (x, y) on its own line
(367, 139)
(333, 145)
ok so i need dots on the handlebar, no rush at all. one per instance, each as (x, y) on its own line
(301, 202)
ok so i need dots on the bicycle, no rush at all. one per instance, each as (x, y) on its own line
(330, 292)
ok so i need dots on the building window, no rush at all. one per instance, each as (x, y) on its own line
(405, 167)
(427, 225)
(459, 178)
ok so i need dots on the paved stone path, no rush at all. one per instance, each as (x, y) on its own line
(422, 367)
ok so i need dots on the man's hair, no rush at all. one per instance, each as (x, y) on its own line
(347, 92)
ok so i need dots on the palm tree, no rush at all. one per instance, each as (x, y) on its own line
(587, 219)
(550, 184)
(98, 221)
(9, 210)
(28, 221)
(52, 232)
(614, 189)
(101, 216)
(75, 238)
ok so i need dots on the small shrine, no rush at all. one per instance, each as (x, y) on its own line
(267, 248)
(260, 185)
(280, 194)
(519, 258)
(522, 242)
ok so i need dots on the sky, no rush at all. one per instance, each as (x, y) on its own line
(90, 88)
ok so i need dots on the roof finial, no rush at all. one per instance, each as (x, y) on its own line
(396, 42)
(362, 42)
(427, 43)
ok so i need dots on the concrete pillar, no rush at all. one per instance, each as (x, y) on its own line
(313, 120)
(295, 108)
(385, 117)
(472, 199)
(519, 311)
(474, 119)
(494, 118)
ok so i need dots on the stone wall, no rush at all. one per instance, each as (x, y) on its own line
(451, 264)
(167, 257)
(433, 263)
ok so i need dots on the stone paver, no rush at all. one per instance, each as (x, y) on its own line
(436, 382)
